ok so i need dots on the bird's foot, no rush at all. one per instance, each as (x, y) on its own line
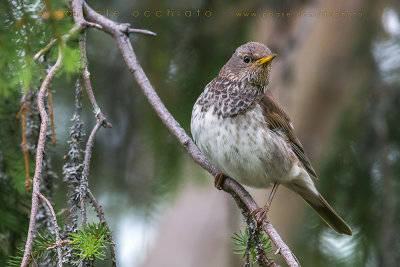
(219, 180)
(260, 215)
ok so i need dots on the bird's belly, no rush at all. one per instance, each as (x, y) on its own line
(242, 147)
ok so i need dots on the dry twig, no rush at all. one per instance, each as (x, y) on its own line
(85, 174)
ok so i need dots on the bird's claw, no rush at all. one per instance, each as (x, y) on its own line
(260, 215)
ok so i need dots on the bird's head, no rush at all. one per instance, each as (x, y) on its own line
(251, 64)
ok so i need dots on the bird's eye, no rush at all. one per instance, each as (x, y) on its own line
(246, 59)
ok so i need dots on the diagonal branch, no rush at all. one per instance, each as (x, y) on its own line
(118, 31)
(245, 201)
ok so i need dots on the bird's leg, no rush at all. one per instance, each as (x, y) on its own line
(219, 180)
(261, 213)
(272, 194)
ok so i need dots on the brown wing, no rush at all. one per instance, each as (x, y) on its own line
(279, 120)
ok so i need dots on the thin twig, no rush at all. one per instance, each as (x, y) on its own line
(85, 76)
(118, 31)
(44, 49)
(64, 39)
(103, 221)
(56, 229)
(63, 242)
(141, 31)
(39, 157)
(86, 167)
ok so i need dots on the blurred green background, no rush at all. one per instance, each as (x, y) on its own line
(337, 74)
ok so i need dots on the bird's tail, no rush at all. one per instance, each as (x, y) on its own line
(324, 210)
(331, 218)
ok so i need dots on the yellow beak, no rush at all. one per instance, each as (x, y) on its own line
(265, 60)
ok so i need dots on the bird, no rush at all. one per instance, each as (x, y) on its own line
(241, 129)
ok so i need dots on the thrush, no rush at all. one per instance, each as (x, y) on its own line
(246, 134)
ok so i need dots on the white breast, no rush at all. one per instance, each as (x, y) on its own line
(242, 147)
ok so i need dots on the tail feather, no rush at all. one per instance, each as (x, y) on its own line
(325, 211)
(306, 189)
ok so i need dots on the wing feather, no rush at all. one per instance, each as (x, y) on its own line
(279, 120)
